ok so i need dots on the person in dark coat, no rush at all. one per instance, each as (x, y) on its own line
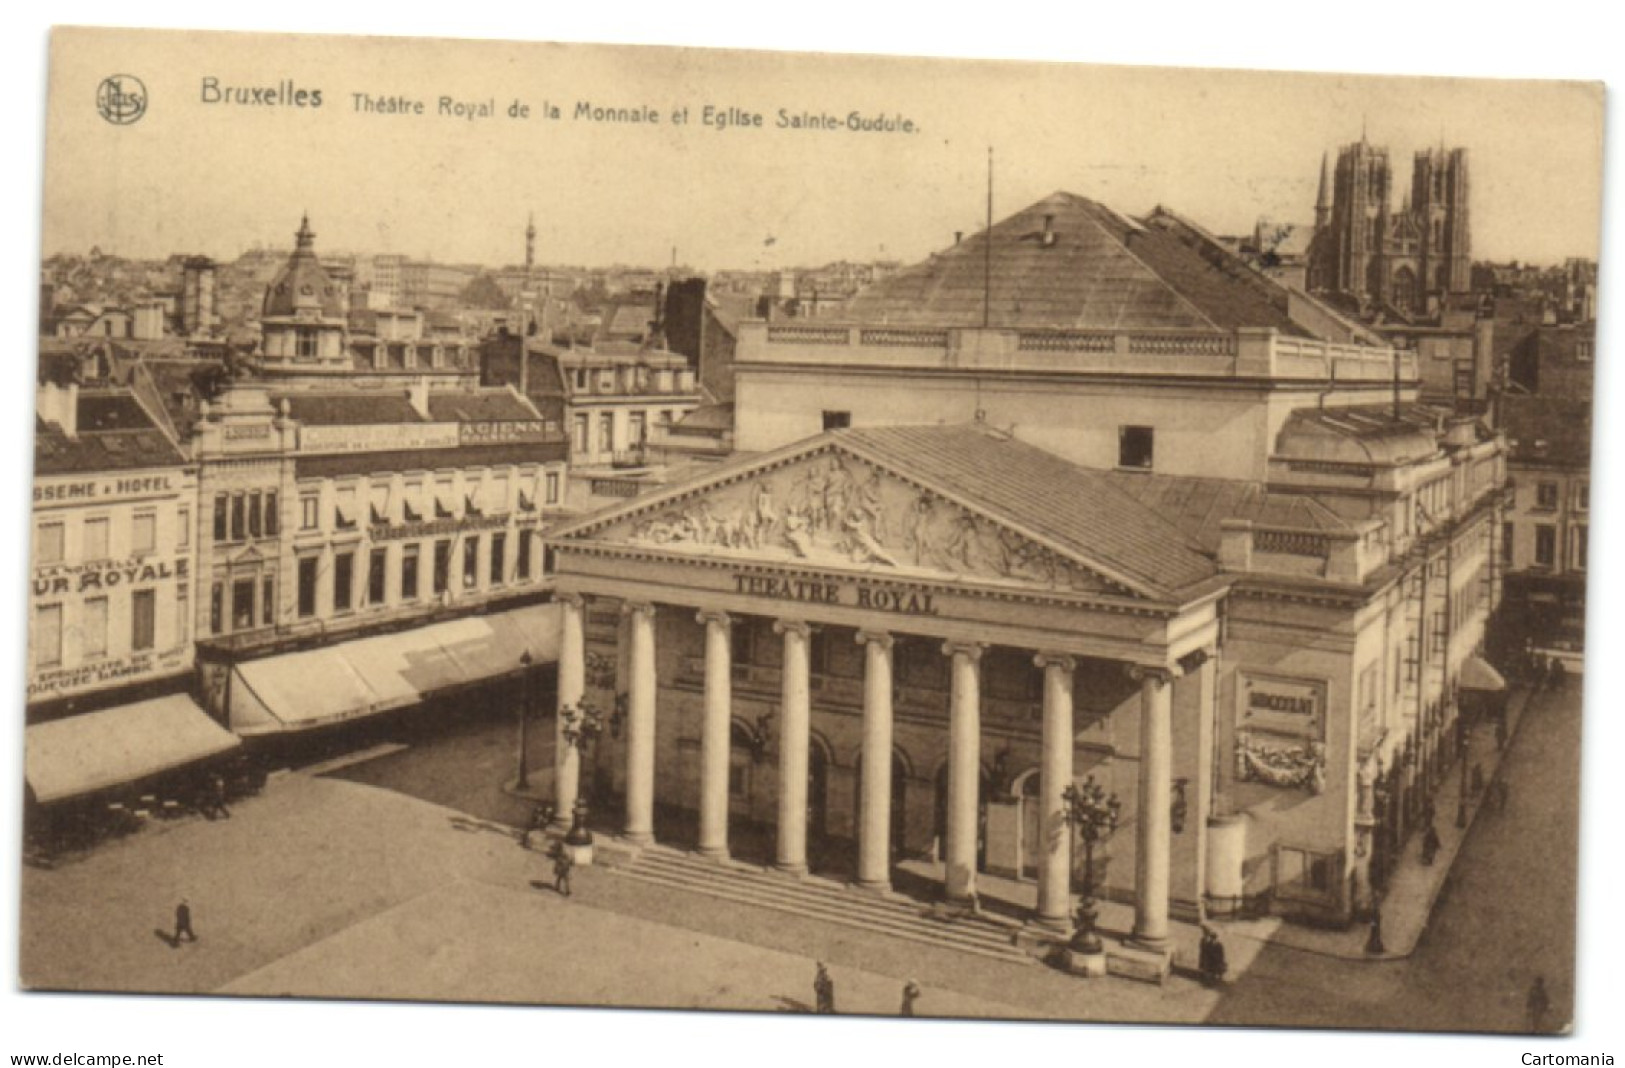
(1539, 1005)
(824, 991)
(1210, 958)
(563, 864)
(1430, 844)
(911, 994)
(183, 923)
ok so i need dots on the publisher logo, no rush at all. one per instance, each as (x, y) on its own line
(121, 99)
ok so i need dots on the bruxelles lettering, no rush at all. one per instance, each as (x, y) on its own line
(813, 591)
(78, 578)
(283, 94)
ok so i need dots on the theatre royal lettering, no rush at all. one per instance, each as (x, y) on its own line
(818, 591)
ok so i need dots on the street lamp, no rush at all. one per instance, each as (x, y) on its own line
(523, 781)
(1092, 814)
(580, 726)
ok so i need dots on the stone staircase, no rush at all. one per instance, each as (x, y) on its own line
(827, 900)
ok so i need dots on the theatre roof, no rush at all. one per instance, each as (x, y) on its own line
(1067, 262)
(1198, 505)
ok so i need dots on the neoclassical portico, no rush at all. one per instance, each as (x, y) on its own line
(839, 539)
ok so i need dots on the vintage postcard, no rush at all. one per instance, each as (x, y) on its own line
(566, 525)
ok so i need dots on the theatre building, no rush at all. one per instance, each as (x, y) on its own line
(1163, 524)
(112, 581)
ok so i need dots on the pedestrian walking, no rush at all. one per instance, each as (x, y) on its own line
(1210, 958)
(824, 991)
(563, 864)
(1539, 1005)
(217, 797)
(1373, 942)
(911, 994)
(183, 923)
(1430, 844)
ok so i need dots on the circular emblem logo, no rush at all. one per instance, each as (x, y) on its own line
(121, 99)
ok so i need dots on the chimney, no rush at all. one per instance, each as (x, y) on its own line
(59, 403)
(418, 395)
(959, 235)
(1048, 238)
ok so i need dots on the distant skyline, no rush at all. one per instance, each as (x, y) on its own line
(1222, 148)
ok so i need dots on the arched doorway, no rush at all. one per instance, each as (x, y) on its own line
(1025, 790)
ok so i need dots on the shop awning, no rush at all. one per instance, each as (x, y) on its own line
(1477, 674)
(97, 750)
(298, 691)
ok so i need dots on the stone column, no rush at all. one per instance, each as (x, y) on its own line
(715, 734)
(964, 771)
(640, 726)
(874, 828)
(572, 688)
(1155, 796)
(795, 718)
(1054, 776)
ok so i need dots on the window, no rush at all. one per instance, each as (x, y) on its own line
(581, 378)
(495, 497)
(552, 487)
(1506, 542)
(442, 566)
(1545, 545)
(271, 521)
(183, 605)
(443, 508)
(305, 340)
(1134, 446)
(217, 597)
(578, 434)
(499, 557)
(310, 512)
(268, 602)
(412, 502)
(377, 562)
(837, 420)
(1546, 496)
(409, 573)
(144, 533)
(307, 586)
(183, 521)
(344, 509)
(220, 516)
(47, 636)
(636, 433)
(48, 543)
(242, 604)
(143, 620)
(254, 515)
(471, 562)
(606, 433)
(1582, 496)
(1577, 548)
(96, 539)
(343, 581)
(94, 623)
(522, 568)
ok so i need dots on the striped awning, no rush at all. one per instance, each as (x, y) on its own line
(299, 691)
(98, 750)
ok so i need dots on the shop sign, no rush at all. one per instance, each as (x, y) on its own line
(103, 490)
(435, 528)
(107, 575)
(496, 432)
(106, 672)
(387, 437)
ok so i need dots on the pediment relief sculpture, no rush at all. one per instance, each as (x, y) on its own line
(839, 511)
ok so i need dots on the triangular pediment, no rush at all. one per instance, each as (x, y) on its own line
(830, 507)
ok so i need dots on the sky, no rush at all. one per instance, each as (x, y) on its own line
(187, 197)
(1223, 148)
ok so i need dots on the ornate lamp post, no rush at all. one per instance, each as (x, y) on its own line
(581, 726)
(1092, 814)
(523, 780)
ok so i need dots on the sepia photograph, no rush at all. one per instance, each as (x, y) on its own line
(729, 531)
